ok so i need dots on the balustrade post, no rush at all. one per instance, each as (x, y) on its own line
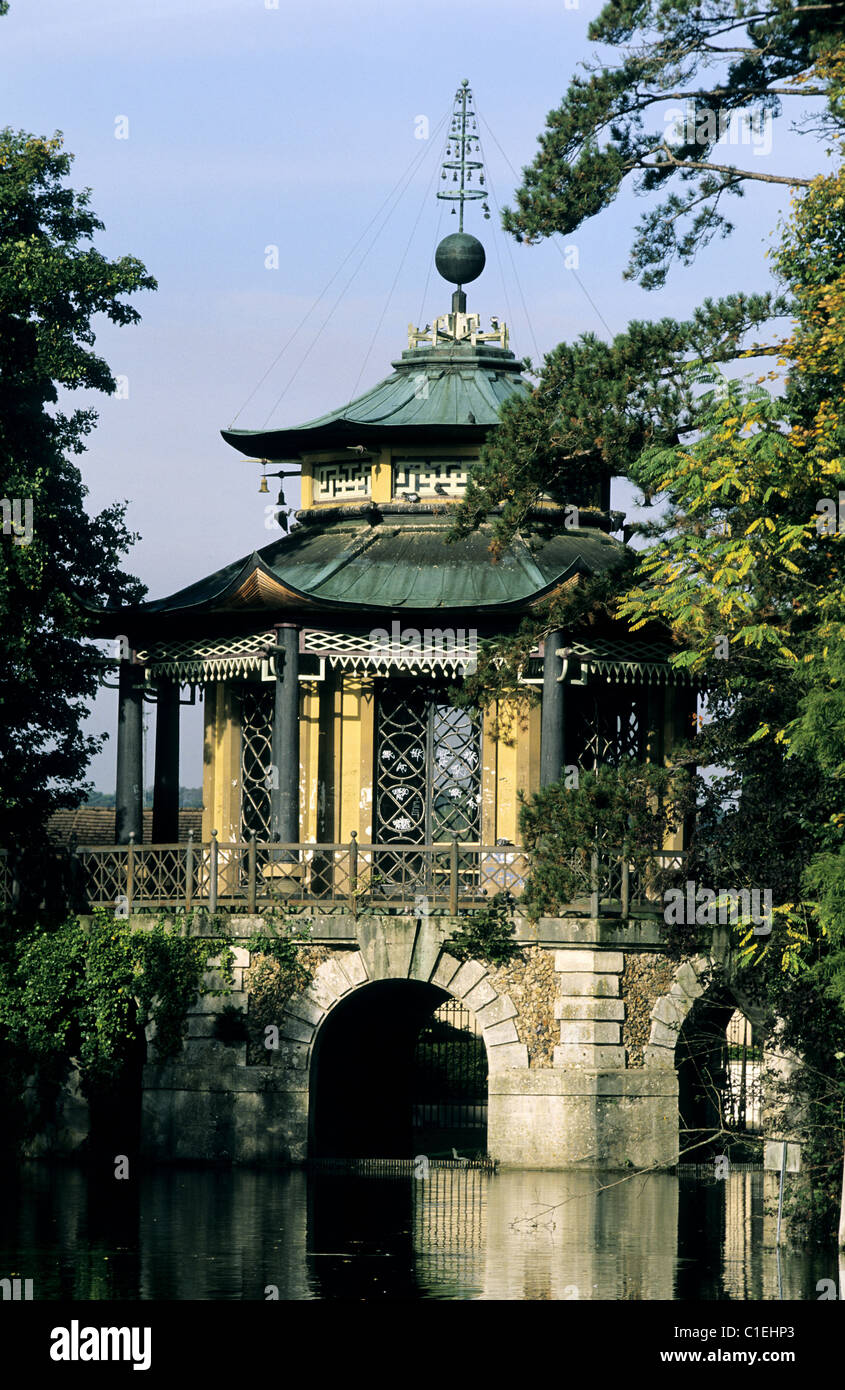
(212, 873)
(251, 864)
(594, 884)
(353, 871)
(189, 872)
(130, 873)
(453, 876)
(626, 882)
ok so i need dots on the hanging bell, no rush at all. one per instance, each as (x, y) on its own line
(262, 486)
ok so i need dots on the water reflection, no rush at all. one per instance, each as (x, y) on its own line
(188, 1234)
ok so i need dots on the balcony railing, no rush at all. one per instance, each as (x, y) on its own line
(249, 876)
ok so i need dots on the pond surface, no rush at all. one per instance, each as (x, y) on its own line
(200, 1234)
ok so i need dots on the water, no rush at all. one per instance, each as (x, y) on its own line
(200, 1234)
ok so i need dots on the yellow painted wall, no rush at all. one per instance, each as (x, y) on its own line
(309, 752)
(381, 485)
(506, 767)
(511, 764)
(221, 764)
(354, 757)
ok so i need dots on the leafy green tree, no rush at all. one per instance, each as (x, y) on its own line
(598, 405)
(653, 112)
(631, 807)
(52, 285)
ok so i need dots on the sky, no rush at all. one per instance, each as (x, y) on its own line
(251, 154)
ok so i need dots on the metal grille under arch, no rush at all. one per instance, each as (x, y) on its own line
(256, 759)
(450, 1081)
(428, 766)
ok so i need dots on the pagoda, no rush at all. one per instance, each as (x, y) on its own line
(325, 659)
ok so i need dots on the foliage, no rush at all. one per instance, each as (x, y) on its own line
(283, 948)
(82, 993)
(596, 407)
(501, 661)
(813, 1095)
(52, 284)
(631, 807)
(747, 561)
(487, 934)
(278, 969)
(653, 112)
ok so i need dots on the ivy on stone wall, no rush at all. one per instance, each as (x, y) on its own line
(80, 994)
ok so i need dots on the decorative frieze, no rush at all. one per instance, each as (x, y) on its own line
(335, 482)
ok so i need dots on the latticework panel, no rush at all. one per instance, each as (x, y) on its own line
(256, 759)
(455, 773)
(159, 874)
(428, 768)
(610, 726)
(401, 767)
(104, 875)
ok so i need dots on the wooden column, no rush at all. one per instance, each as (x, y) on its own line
(129, 791)
(166, 777)
(284, 789)
(552, 754)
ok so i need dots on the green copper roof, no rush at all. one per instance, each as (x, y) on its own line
(432, 391)
(393, 561)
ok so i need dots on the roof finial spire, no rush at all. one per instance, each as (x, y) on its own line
(462, 142)
(460, 257)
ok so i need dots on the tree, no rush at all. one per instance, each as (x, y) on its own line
(598, 405)
(54, 555)
(705, 66)
(745, 561)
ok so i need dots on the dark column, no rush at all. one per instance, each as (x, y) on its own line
(284, 788)
(552, 727)
(166, 779)
(129, 796)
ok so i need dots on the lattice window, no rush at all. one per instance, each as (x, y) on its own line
(256, 759)
(456, 773)
(610, 726)
(428, 768)
(341, 480)
(429, 477)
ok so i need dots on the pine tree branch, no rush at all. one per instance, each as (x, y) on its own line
(730, 169)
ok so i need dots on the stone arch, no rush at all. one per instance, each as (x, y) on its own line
(372, 962)
(669, 1013)
(692, 979)
(389, 952)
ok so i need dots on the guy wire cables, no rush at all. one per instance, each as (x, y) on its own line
(407, 180)
(418, 159)
(579, 282)
(508, 245)
(411, 235)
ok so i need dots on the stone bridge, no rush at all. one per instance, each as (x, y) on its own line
(580, 1033)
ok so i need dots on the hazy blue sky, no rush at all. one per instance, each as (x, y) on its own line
(251, 126)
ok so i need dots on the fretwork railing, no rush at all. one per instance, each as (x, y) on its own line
(251, 876)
